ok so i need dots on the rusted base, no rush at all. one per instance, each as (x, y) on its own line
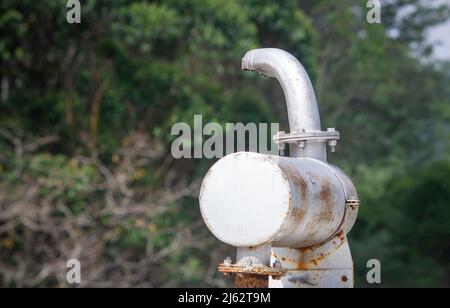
(251, 281)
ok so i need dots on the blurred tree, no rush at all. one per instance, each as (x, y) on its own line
(106, 89)
(414, 215)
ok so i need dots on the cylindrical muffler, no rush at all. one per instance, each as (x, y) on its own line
(250, 199)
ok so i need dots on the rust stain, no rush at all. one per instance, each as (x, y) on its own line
(251, 281)
(319, 258)
(298, 214)
(326, 215)
(302, 266)
(306, 263)
(298, 180)
(344, 278)
(341, 236)
(313, 227)
(304, 250)
(326, 195)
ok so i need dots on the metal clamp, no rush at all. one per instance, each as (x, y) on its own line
(353, 203)
(301, 137)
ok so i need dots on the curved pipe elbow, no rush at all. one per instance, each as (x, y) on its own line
(303, 112)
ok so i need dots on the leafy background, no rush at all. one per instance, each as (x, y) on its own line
(86, 111)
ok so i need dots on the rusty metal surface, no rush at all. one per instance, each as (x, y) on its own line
(249, 281)
(259, 270)
(318, 203)
(328, 265)
(333, 254)
(251, 274)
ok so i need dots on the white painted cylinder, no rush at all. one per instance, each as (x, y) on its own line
(251, 199)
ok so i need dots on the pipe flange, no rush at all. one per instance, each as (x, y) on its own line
(301, 137)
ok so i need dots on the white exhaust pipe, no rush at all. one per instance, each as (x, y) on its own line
(302, 109)
(298, 90)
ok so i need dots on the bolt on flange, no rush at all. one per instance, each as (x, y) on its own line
(301, 137)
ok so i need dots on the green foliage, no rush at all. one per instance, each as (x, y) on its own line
(406, 225)
(422, 196)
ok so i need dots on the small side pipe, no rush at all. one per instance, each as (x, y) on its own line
(303, 112)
